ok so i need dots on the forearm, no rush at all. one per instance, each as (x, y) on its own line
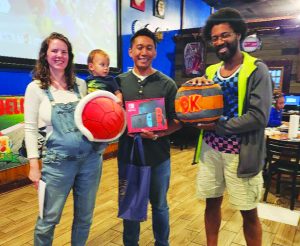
(119, 95)
(34, 172)
(250, 121)
(173, 126)
(34, 163)
(257, 106)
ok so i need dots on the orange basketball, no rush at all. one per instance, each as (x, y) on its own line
(196, 103)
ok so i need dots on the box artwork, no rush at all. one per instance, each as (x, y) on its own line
(148, 114)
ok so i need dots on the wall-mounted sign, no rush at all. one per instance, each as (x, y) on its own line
(11, 131)
(251, 43)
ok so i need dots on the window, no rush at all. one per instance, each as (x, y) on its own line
(277, 77)
(280, 72)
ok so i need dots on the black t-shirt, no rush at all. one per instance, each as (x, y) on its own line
(156, 85)
(107, 83)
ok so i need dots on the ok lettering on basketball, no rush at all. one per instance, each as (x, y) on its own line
(190, 103)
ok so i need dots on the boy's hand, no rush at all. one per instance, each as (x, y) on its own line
(146, 134)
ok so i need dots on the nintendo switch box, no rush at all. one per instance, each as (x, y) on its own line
(148, 114)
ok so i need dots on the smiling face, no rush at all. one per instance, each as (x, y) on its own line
(143, 52)
(99, 66)
(279, 103)
(57, 56)
(225, 41)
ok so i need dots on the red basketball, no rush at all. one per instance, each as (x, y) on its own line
(103, 117)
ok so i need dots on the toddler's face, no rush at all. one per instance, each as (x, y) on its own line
(99, 66)
(280, 103)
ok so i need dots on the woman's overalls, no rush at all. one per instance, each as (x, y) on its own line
(71, 162)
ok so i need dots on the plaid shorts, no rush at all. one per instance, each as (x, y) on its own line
(218, 171)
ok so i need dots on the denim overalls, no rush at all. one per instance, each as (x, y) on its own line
(71, 162)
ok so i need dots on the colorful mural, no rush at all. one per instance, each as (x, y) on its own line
(11, 131)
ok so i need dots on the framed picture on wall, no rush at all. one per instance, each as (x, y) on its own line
(159, 8)
(280, 71)
(138, 4)
(277, 77)
(193, 57)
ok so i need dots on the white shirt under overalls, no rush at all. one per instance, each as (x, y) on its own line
(38, 109)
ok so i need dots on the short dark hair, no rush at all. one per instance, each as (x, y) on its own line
(277, 95)
(143, 32)
(226, 15)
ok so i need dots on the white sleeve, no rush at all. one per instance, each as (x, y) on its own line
(33, 98)
(82, 87)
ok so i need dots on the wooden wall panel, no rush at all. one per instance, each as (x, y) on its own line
(276, 46)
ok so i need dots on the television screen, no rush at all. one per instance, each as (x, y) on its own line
(292, 100)
(88, 24)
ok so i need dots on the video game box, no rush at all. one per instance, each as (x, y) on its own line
(148, 114)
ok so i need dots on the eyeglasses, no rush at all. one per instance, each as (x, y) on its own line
(223, 36)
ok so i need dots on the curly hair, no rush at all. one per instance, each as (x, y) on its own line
(41, 70)
(226, 15)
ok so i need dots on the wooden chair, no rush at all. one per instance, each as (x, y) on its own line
(283, 158)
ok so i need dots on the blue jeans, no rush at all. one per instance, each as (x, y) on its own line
(81, 174)
(160, 180)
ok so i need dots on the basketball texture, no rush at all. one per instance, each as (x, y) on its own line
(195, 104)
(99, 117)
(103, 117)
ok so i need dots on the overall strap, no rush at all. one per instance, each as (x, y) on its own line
(49, 95)
(77, 90)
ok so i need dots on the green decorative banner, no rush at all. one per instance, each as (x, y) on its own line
(11, 131)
